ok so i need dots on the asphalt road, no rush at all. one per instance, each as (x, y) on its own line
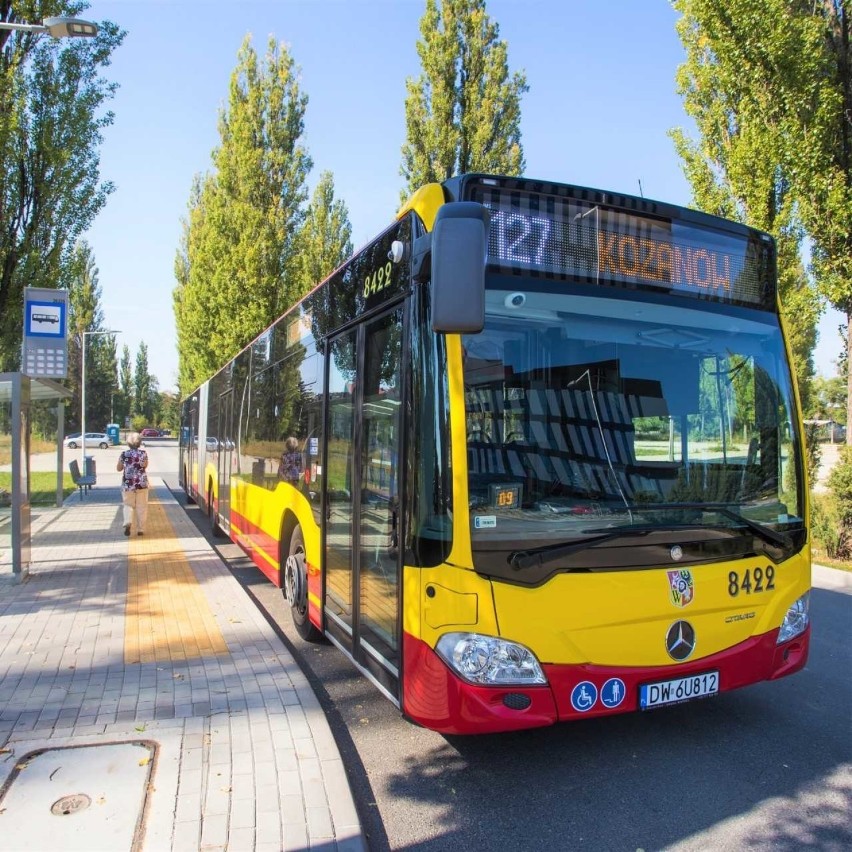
(765, 768)
(769, 767)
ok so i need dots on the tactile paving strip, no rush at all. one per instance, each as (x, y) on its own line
(168, 618)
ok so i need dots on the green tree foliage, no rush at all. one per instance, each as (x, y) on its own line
(52, 99)
(136, 396)
(235, 265)
(769, 83)
(832, 518)
(739, 168)
(145, 390)
(464, 112)
(828, 400)
(124, 396)
(325, 240)
(169, 416)
(86, 315)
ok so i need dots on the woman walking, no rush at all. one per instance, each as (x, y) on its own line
(134, 483)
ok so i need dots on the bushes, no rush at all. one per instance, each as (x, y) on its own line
(831, 515)
(826, 529)
(813, 451)
(840, 483)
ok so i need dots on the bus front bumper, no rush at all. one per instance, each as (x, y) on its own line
(435, 697)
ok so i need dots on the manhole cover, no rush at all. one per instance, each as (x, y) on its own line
(98, 792)
(68, 805)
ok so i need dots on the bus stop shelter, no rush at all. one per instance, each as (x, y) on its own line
(17, 395)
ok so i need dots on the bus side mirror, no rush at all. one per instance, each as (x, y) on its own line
(459, 245)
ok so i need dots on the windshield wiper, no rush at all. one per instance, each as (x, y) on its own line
(539, 556)
(778, 539)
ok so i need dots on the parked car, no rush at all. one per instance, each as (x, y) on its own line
(213, 444)
(93, 439)
(149, 432)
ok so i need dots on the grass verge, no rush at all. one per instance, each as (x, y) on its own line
(820, 557)
(42, 486)
(37, 445)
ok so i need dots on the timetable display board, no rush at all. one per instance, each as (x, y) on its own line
(557, 230)
(45, 339)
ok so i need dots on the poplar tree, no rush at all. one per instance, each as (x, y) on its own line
(325, 241)
(124, 397)
(464, 111)
(144, 386)
(235, 265)
(769, 83)
(52, 113)
(86, 315)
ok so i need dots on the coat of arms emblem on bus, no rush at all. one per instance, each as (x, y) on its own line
(681, 588)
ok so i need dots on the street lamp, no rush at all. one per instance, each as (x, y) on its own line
(62, 27)
(83, 336)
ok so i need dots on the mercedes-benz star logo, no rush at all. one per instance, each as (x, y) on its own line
(680, 640)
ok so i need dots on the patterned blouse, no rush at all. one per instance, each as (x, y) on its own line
(134, 462)
(290, 467)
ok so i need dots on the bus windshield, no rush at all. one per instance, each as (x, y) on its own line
(589, 415)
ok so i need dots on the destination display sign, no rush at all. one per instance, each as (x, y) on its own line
(570, 237)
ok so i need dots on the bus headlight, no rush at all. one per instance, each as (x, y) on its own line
(796, 620)
(488, 660)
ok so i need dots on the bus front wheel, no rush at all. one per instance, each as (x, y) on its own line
(296, 587)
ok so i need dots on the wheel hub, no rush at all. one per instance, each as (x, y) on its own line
(294, 580)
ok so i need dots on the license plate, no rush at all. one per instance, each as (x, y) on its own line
(680, 689)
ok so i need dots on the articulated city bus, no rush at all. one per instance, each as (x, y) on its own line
(532, 455)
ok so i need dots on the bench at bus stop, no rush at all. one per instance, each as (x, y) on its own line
(83, 481)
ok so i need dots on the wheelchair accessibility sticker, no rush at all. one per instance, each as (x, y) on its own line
(583, 696)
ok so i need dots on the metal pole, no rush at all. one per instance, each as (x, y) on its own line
(84, 334)
(23, 28)
(83, 408)
(60, 431)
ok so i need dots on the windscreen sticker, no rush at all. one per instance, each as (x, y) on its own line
(681, 587)
(485, 522)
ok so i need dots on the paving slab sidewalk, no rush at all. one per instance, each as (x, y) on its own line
(92, 653)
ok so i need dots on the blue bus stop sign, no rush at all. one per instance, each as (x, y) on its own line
(45, 346)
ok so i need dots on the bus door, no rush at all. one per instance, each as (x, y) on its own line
(224, 435)
(362, 562)
(189, 447)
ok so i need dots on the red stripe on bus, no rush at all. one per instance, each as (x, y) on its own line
(254, 541)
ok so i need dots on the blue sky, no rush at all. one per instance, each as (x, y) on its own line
(601, 100)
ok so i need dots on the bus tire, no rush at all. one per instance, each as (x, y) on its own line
(187, 489)
(215, 529)
(295, 587)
